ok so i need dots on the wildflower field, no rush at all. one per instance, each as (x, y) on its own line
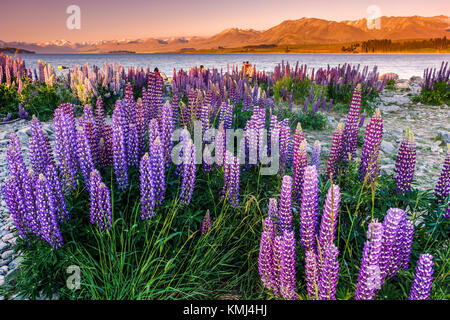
(204, 186)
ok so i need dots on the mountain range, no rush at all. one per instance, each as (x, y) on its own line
(289, 32)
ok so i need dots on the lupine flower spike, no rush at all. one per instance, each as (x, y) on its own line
(405, 164)
(423, 279)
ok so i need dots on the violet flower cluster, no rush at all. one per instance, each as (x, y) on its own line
(230, 189)
(371, 148)
(423, 279)
(350, 134)
(442, 188)
(335, 152)
(405, 163)
(100, 202)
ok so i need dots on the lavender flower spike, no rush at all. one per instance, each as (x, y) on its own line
(285, 207)
(329, 274)
(287, 266)
(315, 155)
(100, 202)
(443, 186)
(371, 147)
(312, 274)
(406, 161)
(423, 279)
(329, 217)
(369, 272)
(206, 223)
(188, 174)
(350, 134)
(309, 213)
(335, 151)
(147, 181)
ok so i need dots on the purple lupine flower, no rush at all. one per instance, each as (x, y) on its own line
(85, 157)
(329, 217)
(220, 146)
(16, 204)
(371, 147)
(423, 279)
(106, 146)
(100, 202)
(285, 207)
(52, 176)
(350, 133)
(47, 213)
(158, 165)
(300, 162)
(231, 179)
(285, 138)
(273, 208)
(287, 266)
(99, 117)
(264, 262)
(442, 189)
(392, 229)
(312, 274)
(40, 151)
(405, 163)
(147, 182)
(315, 155)
(15, 191)
(188, 174)
(369, 272)
(119, 151)
(165, 131)
(298, 138)
(206, 223)
(65, 144)
(406, 248)
(207, 159)
(309, 213)
(91, 132)
(329, 273)
(335, 151)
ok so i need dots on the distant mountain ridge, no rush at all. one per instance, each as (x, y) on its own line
(289, 32)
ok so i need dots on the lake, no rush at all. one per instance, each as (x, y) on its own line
(405, 65)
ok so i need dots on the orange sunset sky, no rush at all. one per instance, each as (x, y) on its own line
(45, 20)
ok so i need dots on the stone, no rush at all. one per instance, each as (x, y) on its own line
(3, 246)
(387, 170)
(7, 237)
(387, 147)
(445, 136)
(401, 85)
(389, 108)
(389, 75)
(2, 280)
(7, 254)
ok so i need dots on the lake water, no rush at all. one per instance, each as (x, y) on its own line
(405, 65)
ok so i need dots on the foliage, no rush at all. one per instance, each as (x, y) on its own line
(438, 95)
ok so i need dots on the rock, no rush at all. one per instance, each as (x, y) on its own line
(2, 280)
(415, 79)
(387, 147)
(387, 170)
(7, 237)
(396, 99)
(3, 246)
(389, 75)
(7, 254)
(3, 269)
(16, 262)
(401, 85)
(389, 108)
(445, 136)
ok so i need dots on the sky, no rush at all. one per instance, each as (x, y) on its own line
(45, 20)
